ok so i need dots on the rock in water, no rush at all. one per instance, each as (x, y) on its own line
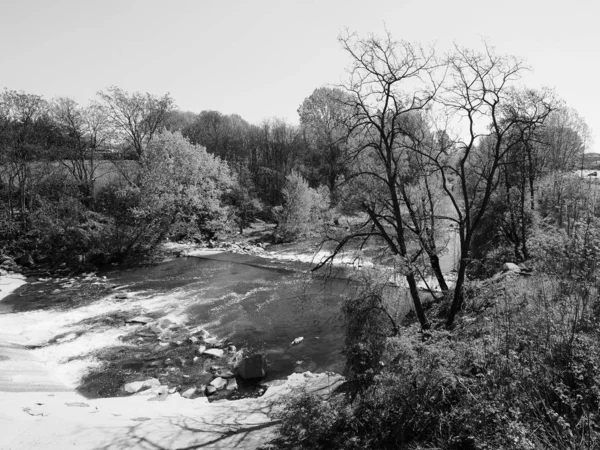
(151, 383)
(232, 385)
(297, 340)
(133, 387)
(254, 366)
(219, 383)
(140, 319)
(210, 390)
(189, 393)
(215, 352)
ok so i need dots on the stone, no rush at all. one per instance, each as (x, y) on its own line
(193, 339)
(189, 393)
(231, 385)
(254, 366)
(511, 266)
(213, 341)
(210, 390)
(219, 383)
(202, 349)
(25, 260)
(214, 352)
(133, 387)
(155, 390)
(151, 383)
(225, 373)
(140, 319)
(35, 411)
(122, 296)
(297, 340)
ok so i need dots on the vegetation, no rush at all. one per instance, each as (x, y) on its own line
(413, 149)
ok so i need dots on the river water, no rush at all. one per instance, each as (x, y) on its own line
(259, 304)
(263, 304)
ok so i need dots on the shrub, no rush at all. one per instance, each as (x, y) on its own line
(304, 208)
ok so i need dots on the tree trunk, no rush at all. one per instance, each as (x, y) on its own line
(414, 293)
(437, 270)
(458, 295)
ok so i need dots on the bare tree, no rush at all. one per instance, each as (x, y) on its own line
(390, 83)
(489, 122)
(137, 117)
(84, 133)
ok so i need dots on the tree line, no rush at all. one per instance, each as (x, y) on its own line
(412, 142)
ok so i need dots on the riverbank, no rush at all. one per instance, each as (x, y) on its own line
(55, 416)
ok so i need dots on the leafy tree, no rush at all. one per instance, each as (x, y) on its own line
(182, 182)
(26, 135)
(323, 118)
(303, 208)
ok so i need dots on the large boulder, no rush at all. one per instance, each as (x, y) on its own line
(254, 366)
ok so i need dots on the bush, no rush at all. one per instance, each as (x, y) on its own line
(303, 210)
(524, 375)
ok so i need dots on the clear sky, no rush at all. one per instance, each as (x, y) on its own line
(260, 58)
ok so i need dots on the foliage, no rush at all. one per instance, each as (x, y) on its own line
(303, 209)
(524, 375)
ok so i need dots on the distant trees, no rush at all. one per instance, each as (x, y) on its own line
(26, 135)
(324, 117)
(85, 133)
(135, 117)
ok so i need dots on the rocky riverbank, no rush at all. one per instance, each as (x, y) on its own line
(82, 326)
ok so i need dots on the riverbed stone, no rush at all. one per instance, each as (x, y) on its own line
(219, 383)
(189, 393)
(232, 384)
(512, 267)
(210, 390)
(214, 352)
(140, 319)
(225, 373)
(151, 383)
(133, 387)
(254, 366)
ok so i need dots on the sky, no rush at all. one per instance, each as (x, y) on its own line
(262, 58)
